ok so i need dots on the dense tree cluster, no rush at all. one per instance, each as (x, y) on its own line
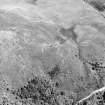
(41, 91)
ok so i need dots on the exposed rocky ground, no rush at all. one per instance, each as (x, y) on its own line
(52, 52)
